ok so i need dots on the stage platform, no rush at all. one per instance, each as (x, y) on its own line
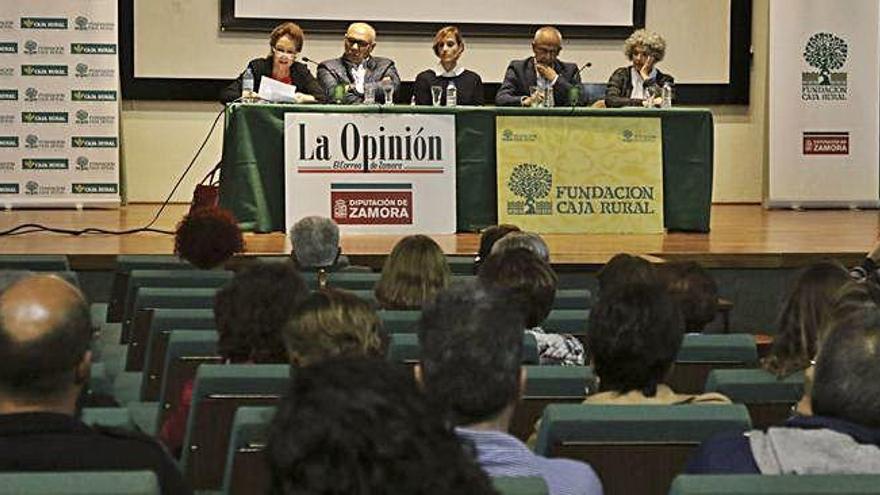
(741, 236)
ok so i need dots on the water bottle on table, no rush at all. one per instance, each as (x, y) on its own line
(451, 94)
(666, 96)
(247, 86)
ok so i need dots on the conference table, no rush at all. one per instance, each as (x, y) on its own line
(252, 172)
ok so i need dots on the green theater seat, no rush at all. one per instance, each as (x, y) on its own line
(80, 483)
(768, 398)
(755, 484)
(701, 353)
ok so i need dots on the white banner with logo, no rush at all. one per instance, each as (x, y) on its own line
(371, 173)
(59, 103)
(824, 103)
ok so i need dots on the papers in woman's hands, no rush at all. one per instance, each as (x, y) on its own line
(272, 90)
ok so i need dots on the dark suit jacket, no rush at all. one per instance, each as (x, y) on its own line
(521, 76)
(304, 81)
(620, 87)
(338, 70)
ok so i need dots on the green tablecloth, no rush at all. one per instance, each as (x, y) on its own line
(252, 175)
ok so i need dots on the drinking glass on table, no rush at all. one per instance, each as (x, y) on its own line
(369, 93)
(436, 95)
(388, 88)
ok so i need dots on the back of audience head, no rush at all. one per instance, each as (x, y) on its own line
(488, 238)
(471, 352)
(847, 377)
(804, 312)
(413, 273)
(45, 336)
(361, 427)
(625, 269)
(332, 323)
(635, 334)
(208, 237)
(693, 289)
(251, 309)
(525, 276)
(315, 242)
(523, 240)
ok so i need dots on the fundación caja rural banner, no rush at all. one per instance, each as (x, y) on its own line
(59, 103)
(824, 103)
(583, 174)
(371, 173)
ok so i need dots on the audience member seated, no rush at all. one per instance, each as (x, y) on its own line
(843, 435)
(635, 334)
(639, 84)
(315, 242)
(362, 427)
(693, 289)
(448, 46)
(285, 43)
(413, 273)
(543, 70)
(532, 282)
(804, 313)
(208, 237)
(471, 347)
(250, 311)
(333, 323)
(357, 68)
(625, 269)
(488, 237)
(528, 240)
(45, 334)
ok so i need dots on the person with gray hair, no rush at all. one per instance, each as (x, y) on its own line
(527, 240)
(639, 84)
(315, 241)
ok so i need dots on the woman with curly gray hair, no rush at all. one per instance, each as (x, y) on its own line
(639, 84)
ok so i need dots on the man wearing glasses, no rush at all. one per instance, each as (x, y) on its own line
(526, 79)
(346, 78)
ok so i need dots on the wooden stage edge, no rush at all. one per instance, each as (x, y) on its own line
(741, 236)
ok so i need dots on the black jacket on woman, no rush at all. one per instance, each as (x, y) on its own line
(468, 85)
(304, 81)
(620, 87)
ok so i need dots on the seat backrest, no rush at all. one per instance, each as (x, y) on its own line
(353, 280)
(768, 398)
(115, 417)
(701, 353)
(169, 278)
(404, 348)
(246, 469)
(146, 336)
(567, 321)
(592, 92)
(147, 298)
(187, 349)
(525, 485)
(400, 321)
(549, 385)
(218, 391)
(739, 484)
(614, 438)
(80, 483)
(34, 262)
(124, 265)
(573, 299)
(460, 265)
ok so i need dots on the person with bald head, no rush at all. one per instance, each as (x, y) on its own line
(45, 361)
(544, 69)
(357, 68)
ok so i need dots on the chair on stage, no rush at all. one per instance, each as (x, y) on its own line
(634, 449)
(768, 398)
(701, 353)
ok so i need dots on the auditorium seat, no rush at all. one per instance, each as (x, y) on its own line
(80, 483)
(114, 417)
(745, 484)
(768, 398)
(460, 265)
(549, 385)
(218, 392)
(34, 262)
(701, 353)
(634, 449)
(404, 348)
(148, 342)
(187, 350)
(148, 298)
(524, 485)
(246, 469)
(558, 321)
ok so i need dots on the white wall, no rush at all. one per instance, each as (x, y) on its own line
(180, 37)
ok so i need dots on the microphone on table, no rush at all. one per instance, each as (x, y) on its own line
(585, 66)
(574, 95)
(334, 94)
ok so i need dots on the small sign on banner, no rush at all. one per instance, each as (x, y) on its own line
(580, 175)
(372, 173)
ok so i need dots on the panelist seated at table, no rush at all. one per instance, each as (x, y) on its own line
(357, 69)
(285, 43)
(641, 83)
(544, 69)
(448, 46)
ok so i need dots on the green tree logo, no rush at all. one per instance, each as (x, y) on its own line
(31, 94)
(82, 70)
(32, 187)
(82, 117)
(531, 182)
(82, 23)
(30, 47)
(32, 140)
(825, 52)
(82, 163)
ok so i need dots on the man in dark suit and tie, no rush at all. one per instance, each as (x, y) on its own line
(356, 68)
(542, 70)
